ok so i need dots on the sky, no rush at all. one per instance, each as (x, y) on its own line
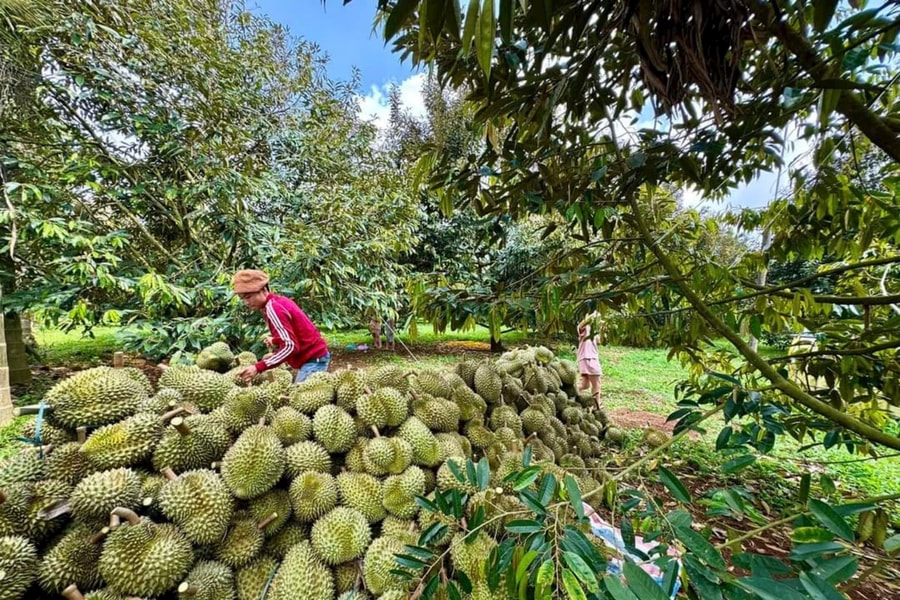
(344, 33)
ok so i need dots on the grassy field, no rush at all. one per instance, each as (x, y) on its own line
(634, 380)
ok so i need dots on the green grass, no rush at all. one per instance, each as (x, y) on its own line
(66, 348)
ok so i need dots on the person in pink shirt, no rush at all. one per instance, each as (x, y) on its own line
(588, 356)
(294, 338)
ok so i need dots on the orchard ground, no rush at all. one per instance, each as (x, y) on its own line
(637, 393)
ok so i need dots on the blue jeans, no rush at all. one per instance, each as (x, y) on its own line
(313, 366)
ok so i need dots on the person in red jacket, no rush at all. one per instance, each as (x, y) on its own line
(294, 338)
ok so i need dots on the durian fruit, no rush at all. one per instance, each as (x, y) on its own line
(534, 420)
(163, 401)
(425, 448)
(385, 406)
(98, 493)
(572, 415)
(272, 510)
(349, 386)
(18, 566)
(306, 456)
(400, 492)
(22, 467)
(341, 535)
(438, 414)
(95, 397)
(290, 535)
(50, 433)
(302, 575)
(242, 543)
(255, 463)
(123, 444)
(291, 425)
(488, 383)
(654, 437)
(362, 492)
(450, 446)
(615, 435)
(388, 376)
(506, 416)
(243, 407)
(312, 394)
(72, 559)
(205, 389)
(402, 529)
(468, 555)
(480, 436)
(347, 577)
(208, 580)
(215, 357)
(355, 595)
(378, 564)
(394, 595)
(312, 495)
(385, 455)
(470, 404)
(430, 382)
(353, 460)
(466, 370)
(334, 428)
(35, 500)
(200, 504)
(194, 442)
(252, 580)
(142, 558)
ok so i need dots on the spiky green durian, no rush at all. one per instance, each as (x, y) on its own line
(447, 480)
(333, 427)
(208, 580)
(254, 463)
(303, 575)
(385, 406)
(200, 503)
(290, 535)
(215, 357)
(123, 444)
(190, 443)
(449, 445)
(98, 493)
(250, 581)
(466, 370)
(388, 376)
(654, 437)
(346, 576)
(71, 560)
(349, 386)
(306, 456)
(312, 495)
(505, 416)
(488, 383)
(272, 508)
(18, 565)
(163, 401)
(470, 404)
(242, 542)
(438, 414)
(22, 467)
(431, 382)
(341, 535)
(291, 425)
(424, 445)
(379, 562)
(205, 389)
(470, 556)
(400, 492)
(479, 435)
(402, 529)
(95, 397)
(244, 407)
(50, 433)
(311, 394)
(145, 558)
(385, 455)
(353, 460)
(534, 420)
(362, 492)
(35, 498)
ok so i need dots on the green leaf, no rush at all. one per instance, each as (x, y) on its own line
(836, 570)
(724, 437)
(736, 464)
(641, 583)
(485, 37)
(674, 484)
(411, 562)
(769, 589)
(804, 488)
(522, 568)
(618, 591)
(400, 13)
(469, 32)
(818, 588)
(506, 20)
(830, 519)
(700, 546)
(524, 526)
(581, 569)
(525, 478)
(457, 472)
(892, 544)
(574, 496)
(807, 551)
(471, 477)
(452, 591)
(526, 456)
(484, 474)
(573, 588)
(827, 484)
(823, 11)
(811, 535)
(543, 582)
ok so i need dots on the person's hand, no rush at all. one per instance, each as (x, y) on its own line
(248, 373)
(269, 341)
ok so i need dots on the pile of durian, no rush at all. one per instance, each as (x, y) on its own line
(205, 488)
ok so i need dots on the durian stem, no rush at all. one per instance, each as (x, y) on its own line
(262, 420)
(188, 589)
(162, 366)
(179, 424)
(215, 465)
(127, 514)
(2, 497)
(147, 501)
(81, 433)
(99, 536)
(31, 409)
(265, 522)
(114, 522)
(168, 473)
(56, 509)
(73, 593)
(375, 431)
(171, 414)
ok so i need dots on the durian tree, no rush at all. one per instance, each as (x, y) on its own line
(553, 89)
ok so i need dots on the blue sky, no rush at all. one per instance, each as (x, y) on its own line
(342, 32)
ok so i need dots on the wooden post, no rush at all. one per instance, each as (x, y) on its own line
(119, 359)
(6, 407)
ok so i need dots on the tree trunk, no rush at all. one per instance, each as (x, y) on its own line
(496, 345)
(19, 371)
(5, 395)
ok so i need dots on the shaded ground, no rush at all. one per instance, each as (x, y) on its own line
(883, 585)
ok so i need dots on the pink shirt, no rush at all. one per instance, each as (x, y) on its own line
(587, 346)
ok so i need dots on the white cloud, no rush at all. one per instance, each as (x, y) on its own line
(375, 106)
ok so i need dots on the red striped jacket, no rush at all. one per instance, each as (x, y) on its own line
(296, 338)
